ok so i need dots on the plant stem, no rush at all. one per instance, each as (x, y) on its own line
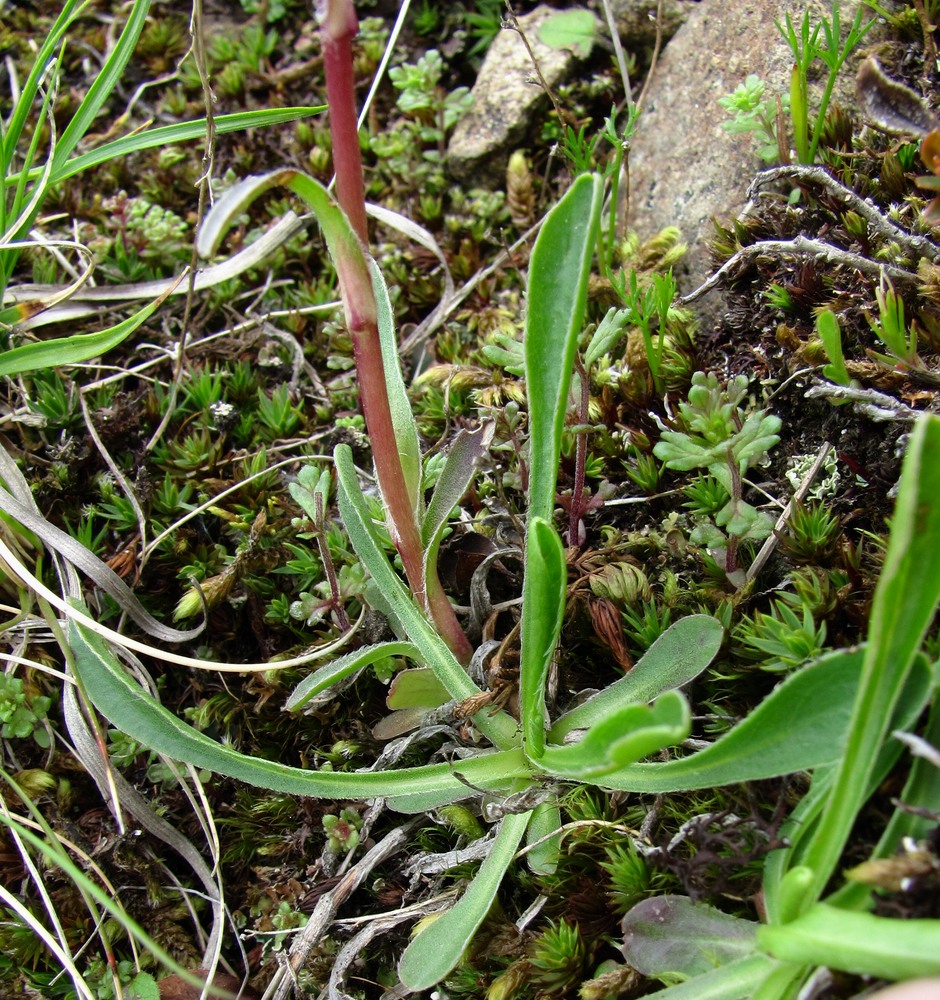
(339, 27)
(577, 494)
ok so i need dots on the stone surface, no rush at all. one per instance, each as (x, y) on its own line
(506, 99)
(685, 169)
(636, 19)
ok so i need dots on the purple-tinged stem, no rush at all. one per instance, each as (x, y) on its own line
(338, 28)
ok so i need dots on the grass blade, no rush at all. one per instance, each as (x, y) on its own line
(78, 348)
(104, 84)
(904, 604)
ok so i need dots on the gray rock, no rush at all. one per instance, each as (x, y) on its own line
(636, 19)
(506, 99)
(685, 169)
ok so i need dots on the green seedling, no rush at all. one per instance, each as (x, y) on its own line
(832, 51)
(752, 112)
(718, 434)
(890, 328)
(827, 327)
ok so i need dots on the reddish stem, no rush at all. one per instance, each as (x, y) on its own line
(344, 123)
(339, 26)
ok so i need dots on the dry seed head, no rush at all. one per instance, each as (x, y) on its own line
(520, 192)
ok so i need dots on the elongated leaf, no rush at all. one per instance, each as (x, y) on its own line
(543, 603)
(671, 935)
(738, 980)
(557, 293)
(105, 82)
(678, 656)
(434, 652)
(623, 737)
(438, 947)
(134, 712)
(800, 725)
(459, 466)
(77, 348)
(345, 666)
(167, 135)
(903, 607)
(860, 943)
(406, 430)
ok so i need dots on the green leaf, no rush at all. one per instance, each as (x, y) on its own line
(543, 607)
(558, 276)
(672, 936)
(129, 708)
(345, 666)
(860, 943)
(570, 29)
(622, 738)
(80, 347)
(466, 451)
(406, 430)
(903, 607)
(438, 947)
(800, 725)
(418, 688)
(168, 135)
(678, 656)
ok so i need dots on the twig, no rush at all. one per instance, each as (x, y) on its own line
(512, 22)
(876, 405)
(327, 905)
(878, 222)
(657, 46)
(768, 547)
(800, 245)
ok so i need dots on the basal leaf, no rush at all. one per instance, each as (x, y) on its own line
(678, 656)
(438, 947)
(557, 293)
(133, 711)
(801, 724)
(623, 737)
(673, 936)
